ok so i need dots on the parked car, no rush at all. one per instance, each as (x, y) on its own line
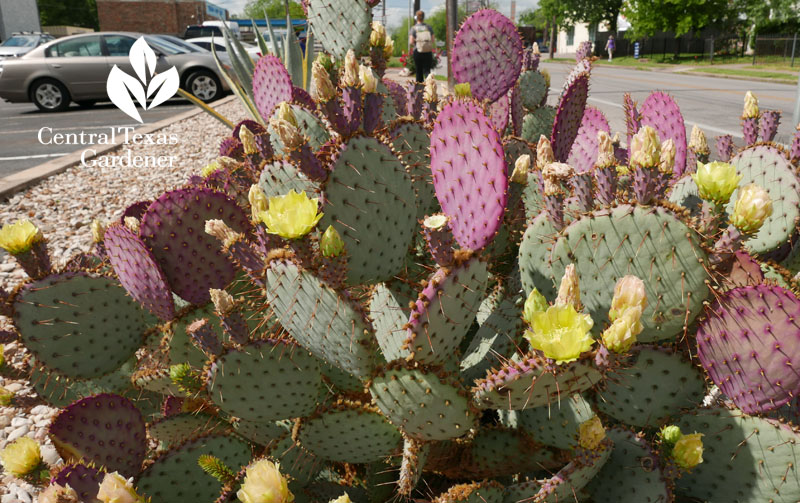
(20, 43)
(76, 69)
(233, 26)
(196, 30)
(219, 46)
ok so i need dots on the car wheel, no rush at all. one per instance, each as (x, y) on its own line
(204, 85)
(50, 95)
(86, 103)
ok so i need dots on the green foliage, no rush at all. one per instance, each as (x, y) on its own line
(437, 21)
(532, 17)
(81, 13)
(275, 9)
(679, 16)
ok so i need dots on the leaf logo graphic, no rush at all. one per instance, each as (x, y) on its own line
(122, 88)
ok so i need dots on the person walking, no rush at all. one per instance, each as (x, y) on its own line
(423, 42)
(610, 46)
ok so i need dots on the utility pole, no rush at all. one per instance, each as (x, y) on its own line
(553, 28)
(452, 20)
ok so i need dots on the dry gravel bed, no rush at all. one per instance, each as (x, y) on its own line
(63, 206)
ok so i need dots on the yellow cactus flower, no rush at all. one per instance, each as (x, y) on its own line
(21, 457)
(388, 47)
(561, 333)
(331, 243)
(697, 141)
(621, 335)
(462, 90)
(56, 493)
(98, 231)
(752, 208)
(605, 150)
(258, 201)
(369, 82)
(670, 434)
(378, 36)
(716, 181)
(19, 237)
(646, 148)
(350, 78)
(628, 292)
(667, 161)
(344, 498)
(436, 222)
(209, 169)
(569, 291)
(688, 450)
(591, 433)
(750, 106)
(264, 483)
(535, 303)
(322, 89)
(6, 396)
(117, 489)
(521, 167)
(291, 216)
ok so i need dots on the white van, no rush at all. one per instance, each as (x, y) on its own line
(233, 26)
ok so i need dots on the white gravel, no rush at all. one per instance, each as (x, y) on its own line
(63, 206)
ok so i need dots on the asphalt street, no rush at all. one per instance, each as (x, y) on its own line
(20, 124)
(713, 104)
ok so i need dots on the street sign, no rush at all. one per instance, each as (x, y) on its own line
(636, 50)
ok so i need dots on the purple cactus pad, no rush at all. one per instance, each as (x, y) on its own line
(397, 93)
(253, 126)
(138, 271)
(749, 344)
(231, 147)
(487, 53)
(135, 210)
(725, 147)
(750, 131)
(106, 429)
(584, 150)
(633, 120)
(660, 112)
(499, 112)
(84, 480)
(794, 150)
(301, 97)
(271, 85)
(768, 124)
(569, 114)
(469, 173)
(517, 110)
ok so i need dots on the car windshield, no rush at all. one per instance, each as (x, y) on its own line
(165, 46)
(21, 41)
(180, 43)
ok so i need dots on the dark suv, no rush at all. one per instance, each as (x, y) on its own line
(196, 30)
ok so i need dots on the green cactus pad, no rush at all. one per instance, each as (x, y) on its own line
(514, 147)
(60, 391)
(649, 242)
(281, 176)
(319, 318)
(266, 380)
(174, 430)
(445, 310)
(348, 432)
(261, 433)
(341, 381)
(684, 193)
(537, 123)
(534, 254)
(370, 201)
(177, 342)
(79, 325)
(389, 312)
(557, 424)
(155, 379)
(768, 167)
(533, 88)
(411, 142)
(745, 458)
(658, 383)
(340, 25)
(530, 382)
(176, 476)
(484, 492)
(633, 473)
(308, 124)
(296, 462)
(424, 404)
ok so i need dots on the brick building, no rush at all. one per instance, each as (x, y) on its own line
(155, 16)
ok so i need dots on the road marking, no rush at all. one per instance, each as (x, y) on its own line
(56, 129)
(38, 156)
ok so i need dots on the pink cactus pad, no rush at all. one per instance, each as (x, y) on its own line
(271, 85)
(569, 113)
(584, 150)
(660, 112)
(499, 113)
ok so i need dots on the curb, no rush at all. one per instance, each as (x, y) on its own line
(740, 77)
(16, 182)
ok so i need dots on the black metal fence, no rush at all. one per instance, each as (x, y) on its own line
(782, 49)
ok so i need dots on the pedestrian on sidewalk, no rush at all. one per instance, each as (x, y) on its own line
(422, 39)
(611, 44)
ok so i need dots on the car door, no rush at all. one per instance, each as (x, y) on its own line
(80, 64)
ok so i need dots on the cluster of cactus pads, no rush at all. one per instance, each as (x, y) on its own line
(379, 292)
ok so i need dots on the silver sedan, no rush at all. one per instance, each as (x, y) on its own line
(76, 69)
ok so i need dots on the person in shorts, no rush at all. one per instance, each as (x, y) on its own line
(423, 42)
(611, 45)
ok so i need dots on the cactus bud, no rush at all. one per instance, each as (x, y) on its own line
(344, 498)
(98, 230)
(544, 153)
(752, 208)
(688, 451)
(369, 82)
(288, 133)
(430, 93)
(605, 150)
(258, 201)
(222, 300)
(591, 433)
(322, 89)
(331, 243)
(264, 483)
(667, 162)
(569, 291)
(546, 76)
(716, 181)
(221, 231)
(6, 396)
(132, 223)
(350, 78)
(536, 48)
(462, 90)
(621, 335)
(378, 36)
(117, 489)
(388, 47)
(285, 113)
(535, 303)
(553, 174)
(750, 106)
(628, 292)
(698, 142)
(19, 237)
(561, 333)
(670, 434)
(248, 140)
(21, 457)
(646, 148)
(226, 163)
(56, 493)
(291, 216)
(521, 167)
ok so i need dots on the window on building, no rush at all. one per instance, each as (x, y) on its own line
(571, 35)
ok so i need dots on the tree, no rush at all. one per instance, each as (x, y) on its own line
(275, 9)
(678, 16)
(81, 13)
(532, 17)
(437, 21)
(591, 12)
(768, 15)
